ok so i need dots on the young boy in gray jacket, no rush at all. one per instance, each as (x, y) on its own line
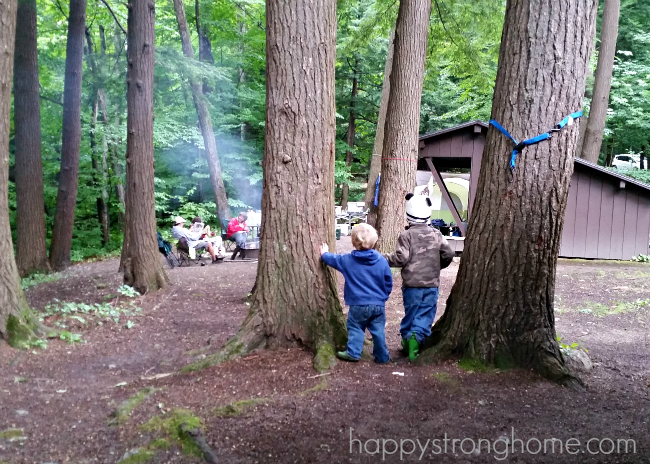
(421, 252)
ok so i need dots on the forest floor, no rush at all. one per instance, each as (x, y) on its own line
(118, 394)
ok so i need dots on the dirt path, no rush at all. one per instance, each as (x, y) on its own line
(272, 407)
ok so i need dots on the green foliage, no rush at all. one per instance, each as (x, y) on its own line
(573, 346)
(172, 427)
(64, 314)
(641, 259)
(36, 279)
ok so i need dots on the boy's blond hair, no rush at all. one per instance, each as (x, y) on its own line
(364, 236)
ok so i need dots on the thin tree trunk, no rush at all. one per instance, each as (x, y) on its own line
(375, 161)
(31, 249)
(349, 156)
(114, 151)
(205, 46)
(500, 310)
(66, 198)
(593, 137)
(241, 25)
(223, 209)
(17, 323)
(400, 152)
(295, 299)
(141, 261)
(99, 175)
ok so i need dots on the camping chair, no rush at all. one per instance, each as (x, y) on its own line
(183, 250)
(166, 249)
(228, 245)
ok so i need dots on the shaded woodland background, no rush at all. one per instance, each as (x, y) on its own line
(458, 84)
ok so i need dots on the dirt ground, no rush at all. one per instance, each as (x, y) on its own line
(67, 403)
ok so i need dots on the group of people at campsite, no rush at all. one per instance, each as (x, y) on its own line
(421, 252)
(199, 236)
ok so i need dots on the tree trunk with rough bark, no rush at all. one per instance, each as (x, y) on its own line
(17, 323)
(400, 152)
(375, 161)
(500, 310)
(593, 137)
(295, 299)
(349, 156)
(66, 197)
(141, 261)
(205, 121)
(31, 249)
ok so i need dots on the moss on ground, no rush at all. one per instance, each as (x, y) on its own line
(170, 427)
(12, 433)
(138, 456)
(445, 378)
(160, 443)
(232, 349)
(239, 407)
(472, 365)
(325, 358)
(316, 388)
(20, 332)
(123, 412)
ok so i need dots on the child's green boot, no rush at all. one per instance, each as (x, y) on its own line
(405, 345)
(345, 356)
(414, 347)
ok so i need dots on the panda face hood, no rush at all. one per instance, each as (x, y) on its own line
(418, 209)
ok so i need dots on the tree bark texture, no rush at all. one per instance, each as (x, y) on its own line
(31, 249)
(66, 197)
(400, 152)
(141, 261)
(500, 310)
(349, 155)
(593, 137)
(295, 298)
(375, 161)
(16, 321)
(205, 121)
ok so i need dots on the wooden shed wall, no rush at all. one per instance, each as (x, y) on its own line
(448, 148)
(604, 221)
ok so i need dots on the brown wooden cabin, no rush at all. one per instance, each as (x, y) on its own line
(607, 214)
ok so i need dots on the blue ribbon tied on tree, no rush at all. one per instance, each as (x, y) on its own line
(519, 146)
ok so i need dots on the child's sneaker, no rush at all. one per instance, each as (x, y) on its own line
(345, 356)
(414, 347)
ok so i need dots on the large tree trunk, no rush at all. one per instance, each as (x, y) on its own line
(352, 130)
(16, 320)
(141, 261)
(31, 250)
(400, 152)
(593, 137)
(66, 197)
(295, 298)
(500, 310)
(223, 210)
(375, 161)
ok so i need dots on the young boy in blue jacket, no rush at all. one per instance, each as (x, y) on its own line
(368, 283)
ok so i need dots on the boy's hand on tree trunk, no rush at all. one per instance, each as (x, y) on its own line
(324, 249)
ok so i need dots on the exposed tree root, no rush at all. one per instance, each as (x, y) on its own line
(198, 438)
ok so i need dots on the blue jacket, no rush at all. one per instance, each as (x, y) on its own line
(368, 280)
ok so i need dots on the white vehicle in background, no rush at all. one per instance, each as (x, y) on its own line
(626, 162)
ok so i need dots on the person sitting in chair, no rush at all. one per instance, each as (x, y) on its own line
(198, 227)
(193, 239)
(238, 232)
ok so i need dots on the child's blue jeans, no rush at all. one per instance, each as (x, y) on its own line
(373, 318)
(420, 306)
